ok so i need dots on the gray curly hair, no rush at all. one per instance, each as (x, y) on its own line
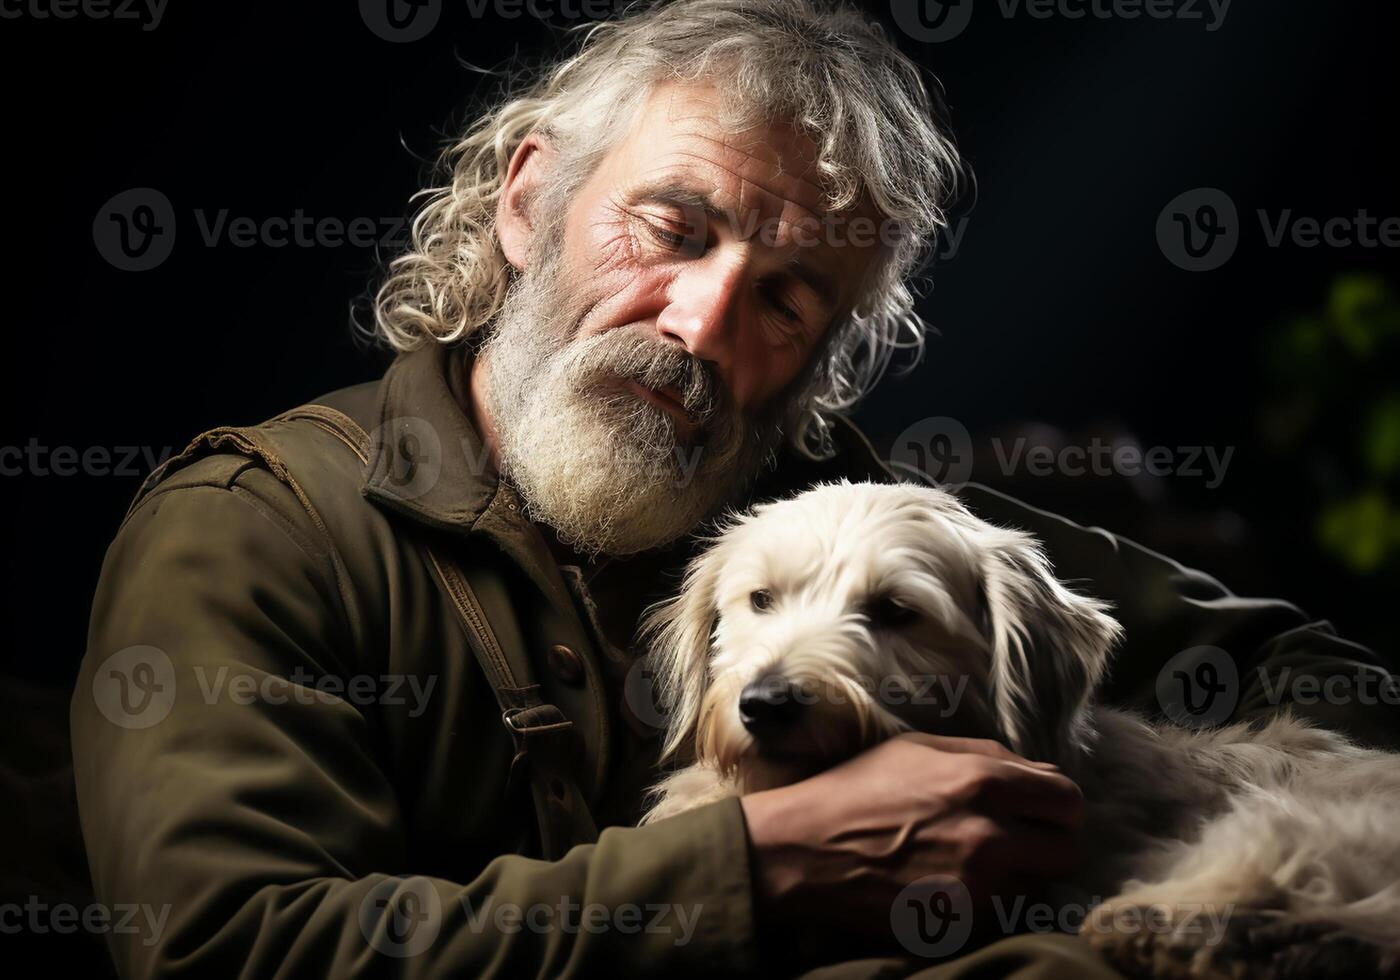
(822, 65)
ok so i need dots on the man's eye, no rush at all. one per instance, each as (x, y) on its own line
(782, 307)
(885, 613)
(665, 236)
(761, 600)
(675, 237)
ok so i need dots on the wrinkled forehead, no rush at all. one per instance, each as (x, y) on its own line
(684, 134)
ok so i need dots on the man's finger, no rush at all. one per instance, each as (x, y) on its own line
(1044, 797)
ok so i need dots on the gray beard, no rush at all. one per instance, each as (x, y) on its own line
(603, 468)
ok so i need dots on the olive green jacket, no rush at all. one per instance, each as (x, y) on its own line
(343, 714)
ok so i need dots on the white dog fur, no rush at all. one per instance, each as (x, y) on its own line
(857, 595)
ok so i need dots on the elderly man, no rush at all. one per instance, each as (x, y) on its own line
(360, 697)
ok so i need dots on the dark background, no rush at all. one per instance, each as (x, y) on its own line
(1059, 310)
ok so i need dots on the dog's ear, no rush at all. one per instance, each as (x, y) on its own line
(1049, 647)
(677, 634)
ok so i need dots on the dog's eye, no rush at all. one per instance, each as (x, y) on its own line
(885, 613)
(761, 600)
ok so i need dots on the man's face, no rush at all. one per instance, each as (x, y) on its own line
(640, 365)
(713, 241)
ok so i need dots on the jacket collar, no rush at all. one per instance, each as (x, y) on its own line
(428, 464)
(427, 461)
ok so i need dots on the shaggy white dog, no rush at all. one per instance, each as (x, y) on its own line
(819, 625)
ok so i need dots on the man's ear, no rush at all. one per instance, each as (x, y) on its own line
(677, 634)
(531, 165)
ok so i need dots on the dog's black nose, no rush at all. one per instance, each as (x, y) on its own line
(769, 705)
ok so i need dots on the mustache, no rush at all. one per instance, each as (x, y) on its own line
(654, 363)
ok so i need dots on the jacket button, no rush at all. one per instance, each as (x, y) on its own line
(566, 665)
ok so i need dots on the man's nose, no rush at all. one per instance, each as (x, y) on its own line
(702, 308)
(769, 705)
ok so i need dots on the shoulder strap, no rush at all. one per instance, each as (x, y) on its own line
(546, 744)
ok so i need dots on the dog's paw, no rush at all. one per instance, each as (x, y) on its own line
(1184, 941)
(1159, 940)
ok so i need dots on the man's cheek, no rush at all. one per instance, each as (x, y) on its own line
(621, 299)
(761, 373)
(611, 248)
(745, 390)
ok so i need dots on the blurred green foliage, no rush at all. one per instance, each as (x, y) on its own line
(1332, 418)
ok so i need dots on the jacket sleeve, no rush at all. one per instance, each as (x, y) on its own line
(1243, 658)
(240, 826)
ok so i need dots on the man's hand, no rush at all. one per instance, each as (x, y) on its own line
(836, 849)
